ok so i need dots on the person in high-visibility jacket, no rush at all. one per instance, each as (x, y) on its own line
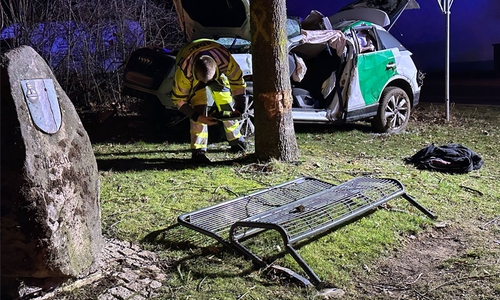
(205, 63)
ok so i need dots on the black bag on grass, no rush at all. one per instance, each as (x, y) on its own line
(451, 158)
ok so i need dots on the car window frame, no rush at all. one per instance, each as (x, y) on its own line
(388, 41)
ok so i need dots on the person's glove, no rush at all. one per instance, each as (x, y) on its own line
(240, 103)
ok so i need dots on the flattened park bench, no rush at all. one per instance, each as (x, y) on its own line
(299, 210)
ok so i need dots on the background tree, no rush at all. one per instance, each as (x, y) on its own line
(274, 131)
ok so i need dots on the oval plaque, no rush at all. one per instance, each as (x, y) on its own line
(43, 105)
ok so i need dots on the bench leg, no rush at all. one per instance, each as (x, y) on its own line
(312, 276)
(419, 206)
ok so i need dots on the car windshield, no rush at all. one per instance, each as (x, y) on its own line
(239, 45)
(235, 45)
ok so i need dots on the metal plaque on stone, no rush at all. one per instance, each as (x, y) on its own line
(43, 105)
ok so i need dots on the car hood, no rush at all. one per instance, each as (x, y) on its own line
(214, 18)
(231, 18)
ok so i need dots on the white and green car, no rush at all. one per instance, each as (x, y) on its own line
(343, 68)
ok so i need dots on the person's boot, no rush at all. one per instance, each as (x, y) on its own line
(241, 146)
(199, 156)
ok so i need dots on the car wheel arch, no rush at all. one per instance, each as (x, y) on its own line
(403, 84)
(394, 110)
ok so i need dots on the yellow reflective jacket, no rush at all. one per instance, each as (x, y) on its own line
(185, 84)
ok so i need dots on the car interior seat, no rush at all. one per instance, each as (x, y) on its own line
(319, 69)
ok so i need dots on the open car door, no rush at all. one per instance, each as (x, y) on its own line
(367, 10)
(214, 18)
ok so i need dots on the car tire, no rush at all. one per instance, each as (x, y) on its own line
(247, 128)
(393, 111)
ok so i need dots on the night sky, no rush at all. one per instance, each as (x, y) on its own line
(475, 27)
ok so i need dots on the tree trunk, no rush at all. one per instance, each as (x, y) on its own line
(274, 131)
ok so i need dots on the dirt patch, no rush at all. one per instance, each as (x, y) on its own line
(447, 262)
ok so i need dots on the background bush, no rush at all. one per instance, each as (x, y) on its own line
(88, 42)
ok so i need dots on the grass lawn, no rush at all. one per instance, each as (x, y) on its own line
(145, 186)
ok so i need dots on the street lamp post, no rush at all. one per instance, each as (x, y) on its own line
(445, 6)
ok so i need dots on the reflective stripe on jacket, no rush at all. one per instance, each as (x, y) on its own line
(185, 84)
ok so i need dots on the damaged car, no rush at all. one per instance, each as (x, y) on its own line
(346, 67)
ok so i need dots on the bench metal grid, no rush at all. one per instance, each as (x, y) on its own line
(298, 209)
(216, 220)
(323, 210)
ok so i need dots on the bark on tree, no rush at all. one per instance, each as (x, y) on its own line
(274, 131)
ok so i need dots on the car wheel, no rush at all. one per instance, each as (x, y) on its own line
(247, 127)
(393, 111)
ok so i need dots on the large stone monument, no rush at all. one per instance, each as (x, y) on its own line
(50, 209)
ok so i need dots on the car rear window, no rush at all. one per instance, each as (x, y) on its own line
(388, 41)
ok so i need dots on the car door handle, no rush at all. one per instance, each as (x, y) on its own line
(390, 66)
